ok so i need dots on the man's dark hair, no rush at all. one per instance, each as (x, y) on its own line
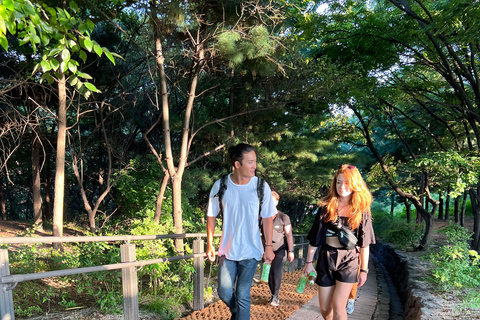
(236, 152)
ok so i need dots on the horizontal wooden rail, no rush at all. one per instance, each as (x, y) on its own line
(21, 240)
(69, 272)
(128, 267)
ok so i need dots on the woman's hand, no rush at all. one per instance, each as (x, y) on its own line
(362, 277)
(309, 268)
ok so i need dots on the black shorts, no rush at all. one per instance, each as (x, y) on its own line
(336, 265)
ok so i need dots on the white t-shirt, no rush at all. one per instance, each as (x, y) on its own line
(241, 234)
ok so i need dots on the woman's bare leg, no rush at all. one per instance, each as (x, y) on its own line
(325, 296)
(339, 300)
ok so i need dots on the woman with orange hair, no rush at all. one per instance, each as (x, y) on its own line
(347, 206)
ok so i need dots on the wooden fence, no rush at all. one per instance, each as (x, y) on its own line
(128, 265)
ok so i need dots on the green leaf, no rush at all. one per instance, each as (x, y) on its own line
(4, 42)
(29, 8)
(46, 66)
(83, 56)
(84, 75)
(65, 55)
(91, 87)
(98, 50)
(72, 67)
(90, 25)
(55, 64)
(73, 80)
(8, 4)
(3, 27)
(73, 6)
(88, 44)
(109, 55)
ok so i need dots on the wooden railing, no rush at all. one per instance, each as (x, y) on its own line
(128, 265)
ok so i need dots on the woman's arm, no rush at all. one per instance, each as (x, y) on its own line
(364, 255)
(309, 261)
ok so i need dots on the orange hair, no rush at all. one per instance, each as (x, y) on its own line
(359, 202)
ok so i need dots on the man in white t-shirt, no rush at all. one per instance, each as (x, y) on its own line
(241, 247)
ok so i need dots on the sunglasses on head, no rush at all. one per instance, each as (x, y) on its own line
(349, 166)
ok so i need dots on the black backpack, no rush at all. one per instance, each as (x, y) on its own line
(223, 187)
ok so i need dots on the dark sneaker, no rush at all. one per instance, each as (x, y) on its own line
(275, 302)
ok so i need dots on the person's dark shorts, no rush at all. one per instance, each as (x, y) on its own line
(336, 265)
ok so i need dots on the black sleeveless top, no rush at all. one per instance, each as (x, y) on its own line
(318, 233)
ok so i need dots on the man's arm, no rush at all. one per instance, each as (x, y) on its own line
(211, 221)
(268, 234)
(289, 234)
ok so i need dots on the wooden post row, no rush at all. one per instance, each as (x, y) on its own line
(6, 298)
(129, 283)
(198, 299)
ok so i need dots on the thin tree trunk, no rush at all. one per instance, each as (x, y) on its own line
(392, 204)
(456, 206)
(3, 205)
(160, 196)
(447, 205)
(60, 161)
(463, 208)
(48, 208)
(408, 210)
(475, 198)
(440, 206)
(36, 184)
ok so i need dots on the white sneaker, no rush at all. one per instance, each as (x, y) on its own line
(350, 306)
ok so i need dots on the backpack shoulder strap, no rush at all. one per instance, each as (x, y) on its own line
(221, 192)
(260, 193)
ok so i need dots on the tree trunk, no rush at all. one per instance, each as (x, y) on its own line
(447, 205)
(463, 208)
(36, 184)
(440, 207)
(160, 196)
(3, 205)
(392, 204)
(475, 198)
(60, 161)
(408, 210)
(48, 208)
(456, 206)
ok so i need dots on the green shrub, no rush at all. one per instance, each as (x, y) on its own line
(456, 268)
(398, 231)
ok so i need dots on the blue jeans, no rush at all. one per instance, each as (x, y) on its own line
(234, 284)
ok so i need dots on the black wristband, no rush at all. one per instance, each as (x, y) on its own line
(364, 270)
(268, 245)
(291, 251)
(307, 262)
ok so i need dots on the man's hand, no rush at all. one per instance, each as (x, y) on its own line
(211, 253)
(268, 255)
(291, 256)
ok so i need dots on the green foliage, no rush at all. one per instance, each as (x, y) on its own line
(457, 269)
(166, 308)
(397, 231)
(28, 311)
(59, 34)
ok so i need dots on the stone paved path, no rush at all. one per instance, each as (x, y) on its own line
(294, 306)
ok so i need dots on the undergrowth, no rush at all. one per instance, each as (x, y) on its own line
(456, 268)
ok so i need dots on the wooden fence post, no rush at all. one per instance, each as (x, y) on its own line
(129, 283)
(291, 267)
(6, 299)
(300, 253)
(198, 302)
